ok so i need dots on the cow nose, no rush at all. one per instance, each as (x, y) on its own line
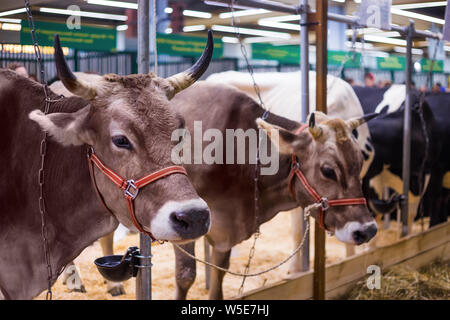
(364, 234)
(191, 224)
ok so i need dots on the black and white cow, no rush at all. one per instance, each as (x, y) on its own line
(387, 138)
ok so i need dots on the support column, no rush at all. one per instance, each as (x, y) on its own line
(144, 276)
(321, 105)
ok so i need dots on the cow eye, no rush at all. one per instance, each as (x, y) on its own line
(122, 142)
(329, 173)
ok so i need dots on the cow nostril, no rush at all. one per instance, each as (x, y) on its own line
(180, 219)
(359, 236)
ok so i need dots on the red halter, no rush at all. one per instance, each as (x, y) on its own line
(130, 187)
(324, 202)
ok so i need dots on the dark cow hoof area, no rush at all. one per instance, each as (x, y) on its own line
(117, 291)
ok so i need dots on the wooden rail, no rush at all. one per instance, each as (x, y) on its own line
(413, 251)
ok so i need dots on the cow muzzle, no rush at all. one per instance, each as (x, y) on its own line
(181, 220)
(357, 232)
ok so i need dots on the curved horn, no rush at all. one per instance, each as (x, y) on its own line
(315, 130)
(356, 122)
(70, 81)
(184, 79)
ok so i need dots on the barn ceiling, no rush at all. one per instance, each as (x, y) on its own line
(250, 21)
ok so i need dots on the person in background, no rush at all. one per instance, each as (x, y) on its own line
(369, 79)
(437, 87)
(350, 81)
(19, 68)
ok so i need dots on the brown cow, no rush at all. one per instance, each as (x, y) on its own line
(127, 121)
(329, 156)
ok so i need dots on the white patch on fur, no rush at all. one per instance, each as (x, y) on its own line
(161, 227)
(2, 297)
(393, 98)
(345, 234)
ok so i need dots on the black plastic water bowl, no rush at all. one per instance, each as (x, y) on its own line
(118, 268)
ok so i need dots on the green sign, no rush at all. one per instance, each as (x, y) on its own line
(180, 45)
(335, 58)
(85, 38)
(438, 65)
(391, 63)
(285, 54)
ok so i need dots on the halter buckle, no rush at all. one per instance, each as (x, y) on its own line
(324, 204)
(131, 190)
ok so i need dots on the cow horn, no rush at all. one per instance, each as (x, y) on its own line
(70, 81)
(315, 130)
(356, 122)
(184, 79)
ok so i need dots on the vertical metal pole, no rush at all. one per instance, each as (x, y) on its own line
(206, 247)
(321, 105)
(407, 131)
(304, 67)
(144, 276)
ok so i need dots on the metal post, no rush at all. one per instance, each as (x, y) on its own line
(321, 105)
(144, 276)
(206, 247)
(304, 67)
(407, 130)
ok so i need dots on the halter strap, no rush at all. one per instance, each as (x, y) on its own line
(323, 201)
(130, 187)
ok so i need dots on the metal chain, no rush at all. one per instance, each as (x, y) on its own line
(349, 55)
(425, 132)
(43, 152)
(264, 117)
(245, 275)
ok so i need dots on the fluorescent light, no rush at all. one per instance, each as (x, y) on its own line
(10, 20)
(220, 4)
(230, 40)
(416, 16)
(357, 1)
(199, 27)
(420, 5)
(413, 50)
(261, 39)
(109, 3)
(398, 42)
(197, 14)
(122, 27)
(374, 31)
(341, 1)
(168, 30)
(10, 26)
(359, 45)
(280, 25)
(85, 14)
(254, 32)
(242, 13)
(10, 12)
(291, 17)
(168, 10)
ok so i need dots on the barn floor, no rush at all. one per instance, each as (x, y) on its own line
(272, 247)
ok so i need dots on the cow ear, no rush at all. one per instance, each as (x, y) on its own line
(66, 128)
(285, 140)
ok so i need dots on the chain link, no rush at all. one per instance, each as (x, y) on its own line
(264, 117)
(43, 152)
(245, 275)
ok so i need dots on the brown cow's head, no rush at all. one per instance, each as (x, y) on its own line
(129, 125)
(331, 161)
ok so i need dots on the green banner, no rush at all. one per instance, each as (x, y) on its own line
(285, 54)
(335, 58)
(391, 63)
(85, 38)
(180, 45)
(438, 65)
